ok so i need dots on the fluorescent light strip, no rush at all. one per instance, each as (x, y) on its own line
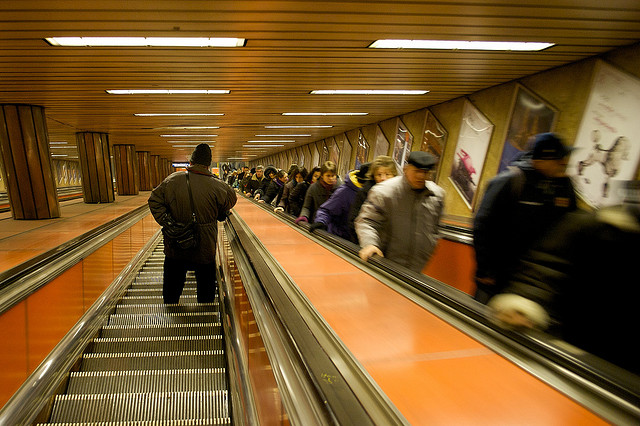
(59, 155)
(324, 113)
(283, 136)
(58, 143)
(146, 41)
(368, 92)
(274, 141)
(176, 115)
(237, 158)
(460, 45)
(260, 146)
(188, 136)
(186, 128)
(62, 147)
(166, 92)
(196, 142)
(189, 146)
(297, 127)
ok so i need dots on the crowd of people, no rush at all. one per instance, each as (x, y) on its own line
(390, 214)
(541, 261)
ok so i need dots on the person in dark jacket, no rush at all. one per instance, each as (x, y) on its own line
(319, 192)
(246, 180)
(296, 176)
(258, 183)
(519, 205)
(333, 214)
(577, 282)
(382, 168)
(275, 189)
(169, 203)
(296, 199)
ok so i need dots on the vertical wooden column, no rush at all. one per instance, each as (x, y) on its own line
(126, 169)
(26, 157)
(95, 163)
(167, 165)
(156, 177)
(144, 170)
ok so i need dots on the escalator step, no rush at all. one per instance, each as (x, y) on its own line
(158, 344)
(190, 422)
(140, 407)
(164, 318)
(155, 291)
(198, 329)
(96, 382)
(167, 309)
(154, 300)
(152, 361)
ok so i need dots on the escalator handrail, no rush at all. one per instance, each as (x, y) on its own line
(620, 387)
(350, 397)
(33, 396)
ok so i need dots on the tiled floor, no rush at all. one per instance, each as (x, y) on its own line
(21, 240)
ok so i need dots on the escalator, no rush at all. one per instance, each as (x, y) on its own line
(151, 361)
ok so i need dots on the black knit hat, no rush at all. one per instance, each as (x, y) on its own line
(361, 174)
(201, 155)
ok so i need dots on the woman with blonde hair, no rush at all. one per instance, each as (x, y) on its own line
(382, 168)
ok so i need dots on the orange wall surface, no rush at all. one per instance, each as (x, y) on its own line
(454, 264)
(32, 328)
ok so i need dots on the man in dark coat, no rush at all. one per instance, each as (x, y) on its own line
(169, 203)
(520, 205)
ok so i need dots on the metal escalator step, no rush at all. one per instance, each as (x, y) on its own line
(154, 300)
(189, 422)
(164, 318)
(197, 329)
(155, 291)
(152, 361)
(140, 407)
(158, 344)
(92, 382)
(167, 309)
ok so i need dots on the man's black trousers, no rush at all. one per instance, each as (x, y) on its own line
(175, 273)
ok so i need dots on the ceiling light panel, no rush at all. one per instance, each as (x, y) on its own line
(460, 45)
(368, 92)
(145, 41)
(322, 114)
(166, 92)
(176, 115)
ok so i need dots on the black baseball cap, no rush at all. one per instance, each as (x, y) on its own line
(548, 146)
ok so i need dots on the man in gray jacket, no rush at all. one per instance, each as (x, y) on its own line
(169, 202)
(399, 219)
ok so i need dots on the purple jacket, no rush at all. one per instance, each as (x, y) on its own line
(334, 212)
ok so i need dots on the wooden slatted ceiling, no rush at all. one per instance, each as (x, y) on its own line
(292, 47)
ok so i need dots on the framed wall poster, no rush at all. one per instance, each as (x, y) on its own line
(530, 115)
(334, 150)
(608, 140)
(345, 159)
(402, 145)
(382, 145)
(434, 138)
(324, 152)
(471, 151)
(315, 156)
(362, 150)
